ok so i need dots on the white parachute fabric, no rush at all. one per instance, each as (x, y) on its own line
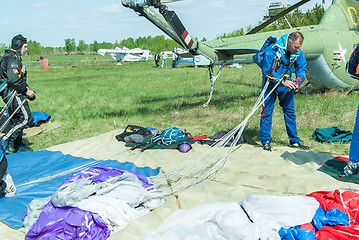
(258, 217)
(118, 201)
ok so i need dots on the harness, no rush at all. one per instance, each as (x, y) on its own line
(3, 81)
(9, 96)
(285, 75)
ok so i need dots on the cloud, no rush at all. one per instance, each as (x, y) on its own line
(3, 23)
(43, 4)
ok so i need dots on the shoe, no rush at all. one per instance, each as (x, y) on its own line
(267, 146)
(5, 146)
(10, 188)
(21, 148)
(350, 169)
(299, 144)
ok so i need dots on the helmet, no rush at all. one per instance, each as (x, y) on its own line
(17, 42)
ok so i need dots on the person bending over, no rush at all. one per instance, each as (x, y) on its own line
(282, 58)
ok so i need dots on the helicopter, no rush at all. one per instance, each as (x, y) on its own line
(327, 45)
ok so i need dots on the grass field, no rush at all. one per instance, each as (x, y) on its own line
(92, 99)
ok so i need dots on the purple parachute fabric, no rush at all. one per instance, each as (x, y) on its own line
(102, 174)
(67, 223)
(73, 223)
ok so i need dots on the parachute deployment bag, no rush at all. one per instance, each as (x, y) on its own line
(333, 134)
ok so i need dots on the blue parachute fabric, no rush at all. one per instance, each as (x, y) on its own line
(332, 217)
(294, 233)
(38, 174)
(40, 117)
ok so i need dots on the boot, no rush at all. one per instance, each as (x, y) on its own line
(10, 189)
(350, 169)
(267, 146)
(20, 148)
(299, 144)
(5, 146)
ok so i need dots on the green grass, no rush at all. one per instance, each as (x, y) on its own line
(90, 100)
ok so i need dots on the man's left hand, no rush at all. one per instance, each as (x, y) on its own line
(290, 84)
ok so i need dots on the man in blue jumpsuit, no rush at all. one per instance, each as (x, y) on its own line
(352, 167)
(280, 58)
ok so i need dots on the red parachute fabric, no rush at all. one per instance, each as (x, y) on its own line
(347, 202)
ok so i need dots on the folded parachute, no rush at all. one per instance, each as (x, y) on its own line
(91, 204)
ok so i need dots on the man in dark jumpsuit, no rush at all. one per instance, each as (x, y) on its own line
(16, 92)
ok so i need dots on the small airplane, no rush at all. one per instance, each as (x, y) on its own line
(127, 55)
(326, 47)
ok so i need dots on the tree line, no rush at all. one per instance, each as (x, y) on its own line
(154, 44)
(296, 18)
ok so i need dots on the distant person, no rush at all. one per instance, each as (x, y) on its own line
(174, 59)
(157, 59)
(164, 57)
(7, 186)
(352, 69)
(289, 59)
(16, 93)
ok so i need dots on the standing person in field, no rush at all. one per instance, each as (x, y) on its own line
(352, 69)
(16, 93)
(282, 57)
(174, 59)
(157, 59)
(164, 58)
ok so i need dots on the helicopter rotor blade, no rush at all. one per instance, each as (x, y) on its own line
(279, 15)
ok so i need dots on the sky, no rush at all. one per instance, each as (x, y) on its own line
(51, 22)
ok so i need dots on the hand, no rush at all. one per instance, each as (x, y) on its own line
(289, 84)
(30, 94)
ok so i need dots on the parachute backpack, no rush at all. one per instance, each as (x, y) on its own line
(3, 82)
(169, 136)
(258, 58)
(131, 130)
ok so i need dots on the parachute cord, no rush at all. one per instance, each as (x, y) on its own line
(10, 117)
(182, 180)
(4, 111)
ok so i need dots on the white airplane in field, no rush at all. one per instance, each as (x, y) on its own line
(127, 55)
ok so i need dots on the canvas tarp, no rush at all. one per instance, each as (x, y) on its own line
(249, 170)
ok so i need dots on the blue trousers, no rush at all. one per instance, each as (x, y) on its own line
(288, 111)
(354, 146)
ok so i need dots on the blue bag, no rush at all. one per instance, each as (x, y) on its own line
(169, 136)
(258, 58)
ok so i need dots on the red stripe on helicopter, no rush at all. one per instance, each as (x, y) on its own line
(187, 38)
